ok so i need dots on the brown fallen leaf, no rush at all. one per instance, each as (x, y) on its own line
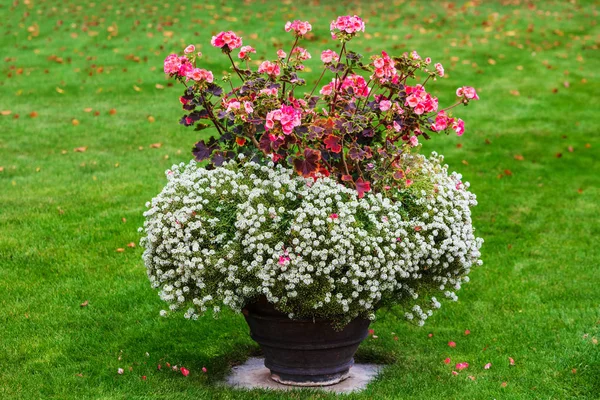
(75, 122)
(1, 169)
(112, 111)
(159, 86)
(132, 244)
(137, 88)
(33, 114)
(84, 304)
(123, 219)
(459, 146)
(519, 157)
(491, 61)
(79, 375)
(507, 172)
(59, 90)
(558, 155)
(80, 149)
(555, 90)
(570, 148)
(151, 119)
(88, 109)
(5, 112)
(515, 92)
(587, 145)
(580, 190)
(156, 145)
(503, 384)
(120, 250)
(465, 162)
(487, 141)
(140, 148)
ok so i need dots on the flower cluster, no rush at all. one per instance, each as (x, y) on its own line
(313, 248)
(337, 213)
(355, 129)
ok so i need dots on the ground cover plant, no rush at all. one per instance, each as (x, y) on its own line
(86, 133)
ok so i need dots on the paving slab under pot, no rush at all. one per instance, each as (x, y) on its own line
(254, 375)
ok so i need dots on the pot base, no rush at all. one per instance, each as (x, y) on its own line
(310, 381)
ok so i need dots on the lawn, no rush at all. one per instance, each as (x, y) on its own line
(89, 124)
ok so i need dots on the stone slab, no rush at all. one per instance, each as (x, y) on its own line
(254, 375)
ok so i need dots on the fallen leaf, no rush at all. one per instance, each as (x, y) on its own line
(503, 384)
(89, 109)
(132, 244)
(59, 90)
(471, 377)
(519, 157)
(80, 149)
(515, 92)
(491, 61)
(137, 88)
(430, 335)
(159, 86)
(79, 375)
(120, 250)
(587, 145)
(5, 112)
(156, 145)
(465, 162)
(459, 145)
(1, 169)
(571, 149)
(555, 90)
(33, 114)
(580, 190)
(124, 219)
(507, 172)
(511, 361)
(151, 119)
(558, 155)
(84, 304)
(75, 122)
(112, 111)
(574, 371)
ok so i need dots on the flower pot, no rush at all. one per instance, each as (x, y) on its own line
(304, 352)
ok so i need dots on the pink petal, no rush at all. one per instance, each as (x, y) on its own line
(487, 366)
(447, 361)
(454, 373)
(451, 344)
(184, 371)
(467, 332)
(204, 369)
(511, 360)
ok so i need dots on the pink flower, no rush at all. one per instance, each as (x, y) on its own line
(184, 371)
(204, 369)
(287, 116)
(451, 344)
(454, 373)
(346, 25)
(226, 41)
(329, 56)
(467, 332)
(269, 91)
(412, 101)
(248, 106)
(328, 89)
(333, 216)
(447, 361)
(200, 75)
(397, 126)
(185, 66)
(487, 366)
(172, 64)
(190, 49)
(300, 28)
(384, 67)
(441, 122)
(428, 60)
(283, 259)
(120, 371)
(245, 51)
(459, 127)
(233, 105)
(414, 141)
(270, 68)
(467, 92)
(440, 69)
(461, 366)
(385, 105)
(511, 361)
(281, 54)
(301, 53)
(414, 55)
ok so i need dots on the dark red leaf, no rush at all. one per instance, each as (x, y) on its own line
(307, 165)
(332, 143)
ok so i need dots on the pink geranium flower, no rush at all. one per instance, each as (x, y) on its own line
(226, 41)
(200, 75)
(440, 69)
(346, 24)
(270, 68)
(300, 28)
(245, 51)
(467, 92)
(301, 53)
(190, 49)
(461, 366)
(329, 56)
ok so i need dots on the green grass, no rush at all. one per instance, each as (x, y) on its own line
(62, 216)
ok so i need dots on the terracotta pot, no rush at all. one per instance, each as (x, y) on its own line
(304, 352)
